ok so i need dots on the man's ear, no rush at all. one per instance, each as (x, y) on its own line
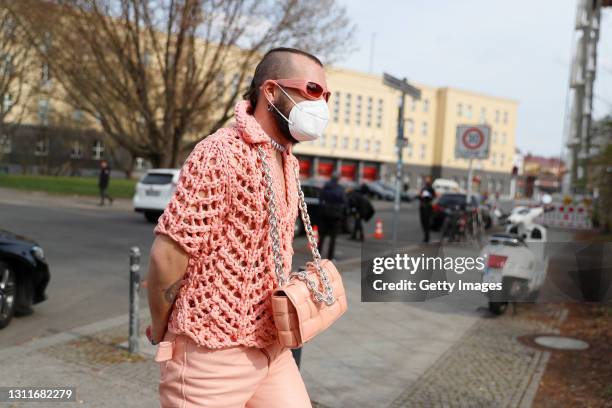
(268, 89)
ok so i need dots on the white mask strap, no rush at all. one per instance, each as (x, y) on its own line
(279, 112)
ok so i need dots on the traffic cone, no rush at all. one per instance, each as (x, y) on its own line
(315, 234)
(378, 232)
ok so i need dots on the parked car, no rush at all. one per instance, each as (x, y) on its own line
(154, 191)
(448, 200)
(377, 189)
(442, 186)
(24, 275)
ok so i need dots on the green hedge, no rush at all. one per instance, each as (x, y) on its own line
(85, 186)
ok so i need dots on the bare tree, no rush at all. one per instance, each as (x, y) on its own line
(15, 66)
(159, 75)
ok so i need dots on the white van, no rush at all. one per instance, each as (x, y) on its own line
(442, 186)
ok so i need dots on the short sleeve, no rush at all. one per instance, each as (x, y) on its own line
(197, 205)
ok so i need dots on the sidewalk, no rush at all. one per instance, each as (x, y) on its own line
(377, 355)
(17, 197)
(23, 197)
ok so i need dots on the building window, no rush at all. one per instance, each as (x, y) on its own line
(235, 84)
(503, 138)
(5, 144)
(97, 151)
(468, 112)
(76, 149)
(379, 113)
(345, 142)
(494, 137)
(7, 102)
(323, 140)
(366, 145)
(377, 146)
(45, 74)
(483, 115)
(77, 116)
(7, 64)
(347, 109)
(423, 150)
(220, 82)
(336, 106)
(505, 116)
(413, 105)
(459, 109)
(426, 105)
(409, 149)
(356, 144)
(358, 111)
(497, 116)
(41, 148)
(494, 159)
(424, 129)
(410, 124)
(334, 141)
(43, 112)
(502, 158)
(369, 112)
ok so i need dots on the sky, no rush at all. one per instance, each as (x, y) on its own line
(517, 49)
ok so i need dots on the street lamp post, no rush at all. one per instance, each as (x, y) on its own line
(405, 89)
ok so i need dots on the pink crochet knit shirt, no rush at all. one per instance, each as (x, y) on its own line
(218, 215)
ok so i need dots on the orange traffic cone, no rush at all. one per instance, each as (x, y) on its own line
(378, 232)
(315, 234)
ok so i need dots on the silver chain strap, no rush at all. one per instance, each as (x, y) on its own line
(328, 296)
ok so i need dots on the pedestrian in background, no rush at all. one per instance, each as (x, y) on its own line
(333, 210)
(103, 181)
(426, 196)
(362, 210)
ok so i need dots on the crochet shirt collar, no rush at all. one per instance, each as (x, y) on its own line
(250, 129)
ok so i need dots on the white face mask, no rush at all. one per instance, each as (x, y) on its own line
(307, 119)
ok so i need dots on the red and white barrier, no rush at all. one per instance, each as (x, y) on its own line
(567, 216)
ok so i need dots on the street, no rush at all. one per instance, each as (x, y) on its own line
(87, 248)
(400, 355)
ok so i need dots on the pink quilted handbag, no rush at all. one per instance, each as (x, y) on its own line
(300, 309)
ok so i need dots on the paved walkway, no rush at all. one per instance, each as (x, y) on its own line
(378, 355)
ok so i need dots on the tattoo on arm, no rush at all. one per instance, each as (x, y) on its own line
(171, 292)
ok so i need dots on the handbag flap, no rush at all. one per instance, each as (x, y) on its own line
(315, 317)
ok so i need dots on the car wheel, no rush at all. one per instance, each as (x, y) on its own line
(498, 308)
(25, 298)
(299, 227)
(152, 216)
(488, 222)
(8, 291)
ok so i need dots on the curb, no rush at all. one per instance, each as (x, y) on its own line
(72, 334)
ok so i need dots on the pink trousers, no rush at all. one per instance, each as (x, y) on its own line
(194, 376)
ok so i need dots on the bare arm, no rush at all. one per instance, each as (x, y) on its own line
(167, 266)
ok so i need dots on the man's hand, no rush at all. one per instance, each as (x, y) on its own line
(167, 266)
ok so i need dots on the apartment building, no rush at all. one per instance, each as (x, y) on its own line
(359, 142)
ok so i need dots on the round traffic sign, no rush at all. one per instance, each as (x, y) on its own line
(473, 138)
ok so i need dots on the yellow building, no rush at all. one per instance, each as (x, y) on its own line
(359, 142)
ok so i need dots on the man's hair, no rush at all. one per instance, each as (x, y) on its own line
(273, 65)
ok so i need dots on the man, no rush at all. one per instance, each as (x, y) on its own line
(211, 271)
(426, 196)
(362, 210)
(103, 180)
(333, 210)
